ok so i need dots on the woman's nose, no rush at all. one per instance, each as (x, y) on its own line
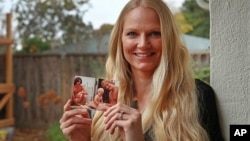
(143, 42)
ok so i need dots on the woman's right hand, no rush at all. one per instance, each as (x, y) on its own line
(75, 124)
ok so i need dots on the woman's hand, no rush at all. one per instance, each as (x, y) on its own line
(127, 119)
(75, 124)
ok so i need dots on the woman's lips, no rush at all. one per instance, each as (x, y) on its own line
(144, 54)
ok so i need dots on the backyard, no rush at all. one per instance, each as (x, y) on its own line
(43, 86)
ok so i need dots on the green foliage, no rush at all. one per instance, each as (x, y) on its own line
(94, 67)
(54, 133)
(104, 29)
(34, 45)
(202, 73)
(55, 20)
(197, 17)
(182, 22)
(97, 68)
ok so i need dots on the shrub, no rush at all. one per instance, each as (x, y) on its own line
(54, 133)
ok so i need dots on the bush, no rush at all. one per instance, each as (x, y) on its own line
(202, 73)
(54, 133)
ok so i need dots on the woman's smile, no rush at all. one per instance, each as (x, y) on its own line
(141, 39)
(144, 55)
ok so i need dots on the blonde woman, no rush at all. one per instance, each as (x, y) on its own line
(113, 91)
(158, 100)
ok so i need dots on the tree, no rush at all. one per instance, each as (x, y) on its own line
(182, 22)
(197, 17)
(34, 45)
(53, 20)
(104, 29)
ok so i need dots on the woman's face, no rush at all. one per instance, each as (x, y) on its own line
(107, 85)
(141, 39)
(79, 82)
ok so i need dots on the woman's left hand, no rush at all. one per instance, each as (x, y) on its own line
(127, 119)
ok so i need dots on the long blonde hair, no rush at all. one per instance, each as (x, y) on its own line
(172, 112)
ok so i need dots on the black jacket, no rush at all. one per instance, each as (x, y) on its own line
(208, 111)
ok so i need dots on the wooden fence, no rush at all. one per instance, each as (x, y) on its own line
(43, 84)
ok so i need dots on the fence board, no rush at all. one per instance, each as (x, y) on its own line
(47, 81)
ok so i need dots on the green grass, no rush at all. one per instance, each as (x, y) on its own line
(54, 133)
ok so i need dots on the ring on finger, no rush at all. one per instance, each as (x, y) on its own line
(121, 115)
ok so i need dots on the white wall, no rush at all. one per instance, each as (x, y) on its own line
(230, 60)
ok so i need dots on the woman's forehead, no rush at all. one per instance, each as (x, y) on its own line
(141, 17)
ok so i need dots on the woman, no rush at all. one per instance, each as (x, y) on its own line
(79, 95)
(157, 97)
(112, 91)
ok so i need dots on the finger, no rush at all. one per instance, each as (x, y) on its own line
(73, 128)
(117, 108)
(71, 113)
(67, 105)
(113, 109)
(129, 123)
(118, 123)
(112, 127)
(111, 116)
(117, 114)
(109, 121)
(75, 121)
(119, 117)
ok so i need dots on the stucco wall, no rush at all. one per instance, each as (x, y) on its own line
(230, 60)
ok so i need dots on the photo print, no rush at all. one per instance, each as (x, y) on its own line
(93, 93)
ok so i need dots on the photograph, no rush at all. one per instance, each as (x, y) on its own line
(93, 93)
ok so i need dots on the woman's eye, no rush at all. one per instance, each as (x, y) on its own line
(132, 34)
(155, 34)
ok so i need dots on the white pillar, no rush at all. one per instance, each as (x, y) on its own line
(230, 60)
